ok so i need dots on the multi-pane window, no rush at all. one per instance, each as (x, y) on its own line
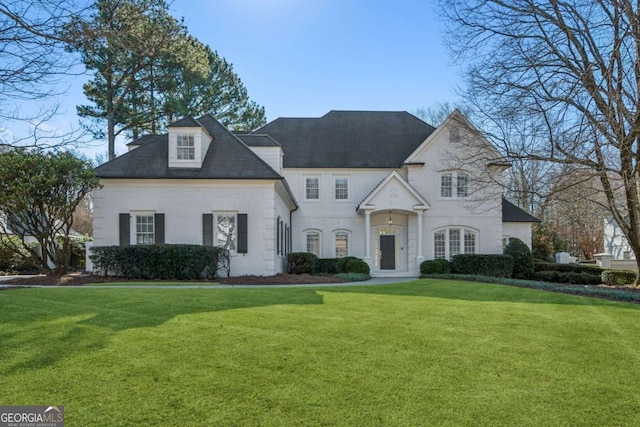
(226, 231)
(185, 147)
(313, 243)
(454, 184)
(312, 188)
(446, 185)
(452, 241)
(462, 189)
(342, 244)
(469, 242)
(439, 246)
(144, 230)
(342, 188)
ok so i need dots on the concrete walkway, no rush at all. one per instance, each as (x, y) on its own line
(370, 282)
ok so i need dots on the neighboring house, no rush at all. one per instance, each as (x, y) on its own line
(382, 186)
(615, 242)
(618, 254)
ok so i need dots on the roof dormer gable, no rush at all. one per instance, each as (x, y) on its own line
(189, 142)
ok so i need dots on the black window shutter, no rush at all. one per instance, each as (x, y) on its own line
(158, 224)
(242, 234)
(125, 229)
(207, 229)
(278, 237)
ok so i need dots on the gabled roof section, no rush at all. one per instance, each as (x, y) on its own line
(348, 139)
(457, 119)
(257, 140)
(227, 158)
(394, 192)
(512, 213)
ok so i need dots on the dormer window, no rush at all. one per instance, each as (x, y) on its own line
(188, 144)
(185, 147)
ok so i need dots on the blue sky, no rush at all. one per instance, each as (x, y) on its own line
(303, 58)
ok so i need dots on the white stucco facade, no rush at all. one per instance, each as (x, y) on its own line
(431, 205)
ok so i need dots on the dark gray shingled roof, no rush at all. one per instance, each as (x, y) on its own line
(227, 158)
(512, 213)
(144, 139)
(258, 140)
(348, 139)
(186, 122)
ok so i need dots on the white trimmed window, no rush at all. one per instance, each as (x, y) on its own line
(185, 147)
(341, 244)
(451, 241)
(225, 232)
(313, 242)
(145, 233)
(341, 186)
(312, 188)
(454, 185)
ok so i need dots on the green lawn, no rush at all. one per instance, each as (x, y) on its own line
(422, 353)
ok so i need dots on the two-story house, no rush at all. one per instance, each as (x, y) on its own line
(382, 186)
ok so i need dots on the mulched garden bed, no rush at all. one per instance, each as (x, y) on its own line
(79, 279)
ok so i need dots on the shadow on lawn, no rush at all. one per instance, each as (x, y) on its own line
(41, 328)
(475, 291)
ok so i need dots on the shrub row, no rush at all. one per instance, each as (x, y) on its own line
(435, 266)
(618, 277)
(567, 277)
(484, 265)
(179, 262)
(308, 263)
(568, 268)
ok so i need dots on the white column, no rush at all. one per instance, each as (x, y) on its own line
(420, 236)
(420, 256)
(367, 235)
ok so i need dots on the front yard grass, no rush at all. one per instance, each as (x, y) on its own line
(427, 352)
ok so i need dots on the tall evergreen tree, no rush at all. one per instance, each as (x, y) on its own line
(117, 42)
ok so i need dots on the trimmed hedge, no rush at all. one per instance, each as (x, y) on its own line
(326, 266)
(618, 277)
(568, 268)
(522, 258)
(435, 266)
(483, 265)
(301, 262)
(357, 266)
(150, 262)
(567, 277)
(342, 263)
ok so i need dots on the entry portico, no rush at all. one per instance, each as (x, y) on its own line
(394, 238)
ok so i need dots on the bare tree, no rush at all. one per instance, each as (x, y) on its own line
(572, 65)
(33, 61)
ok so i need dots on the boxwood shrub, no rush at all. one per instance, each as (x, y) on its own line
(484, 265)
(618, 277)
(357, 266)
(178, 262)
(301, 262)
(522, 258)
(435, 266)
(326, 266)
(342, 263)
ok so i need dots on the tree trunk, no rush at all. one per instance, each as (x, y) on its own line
(111, 135)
